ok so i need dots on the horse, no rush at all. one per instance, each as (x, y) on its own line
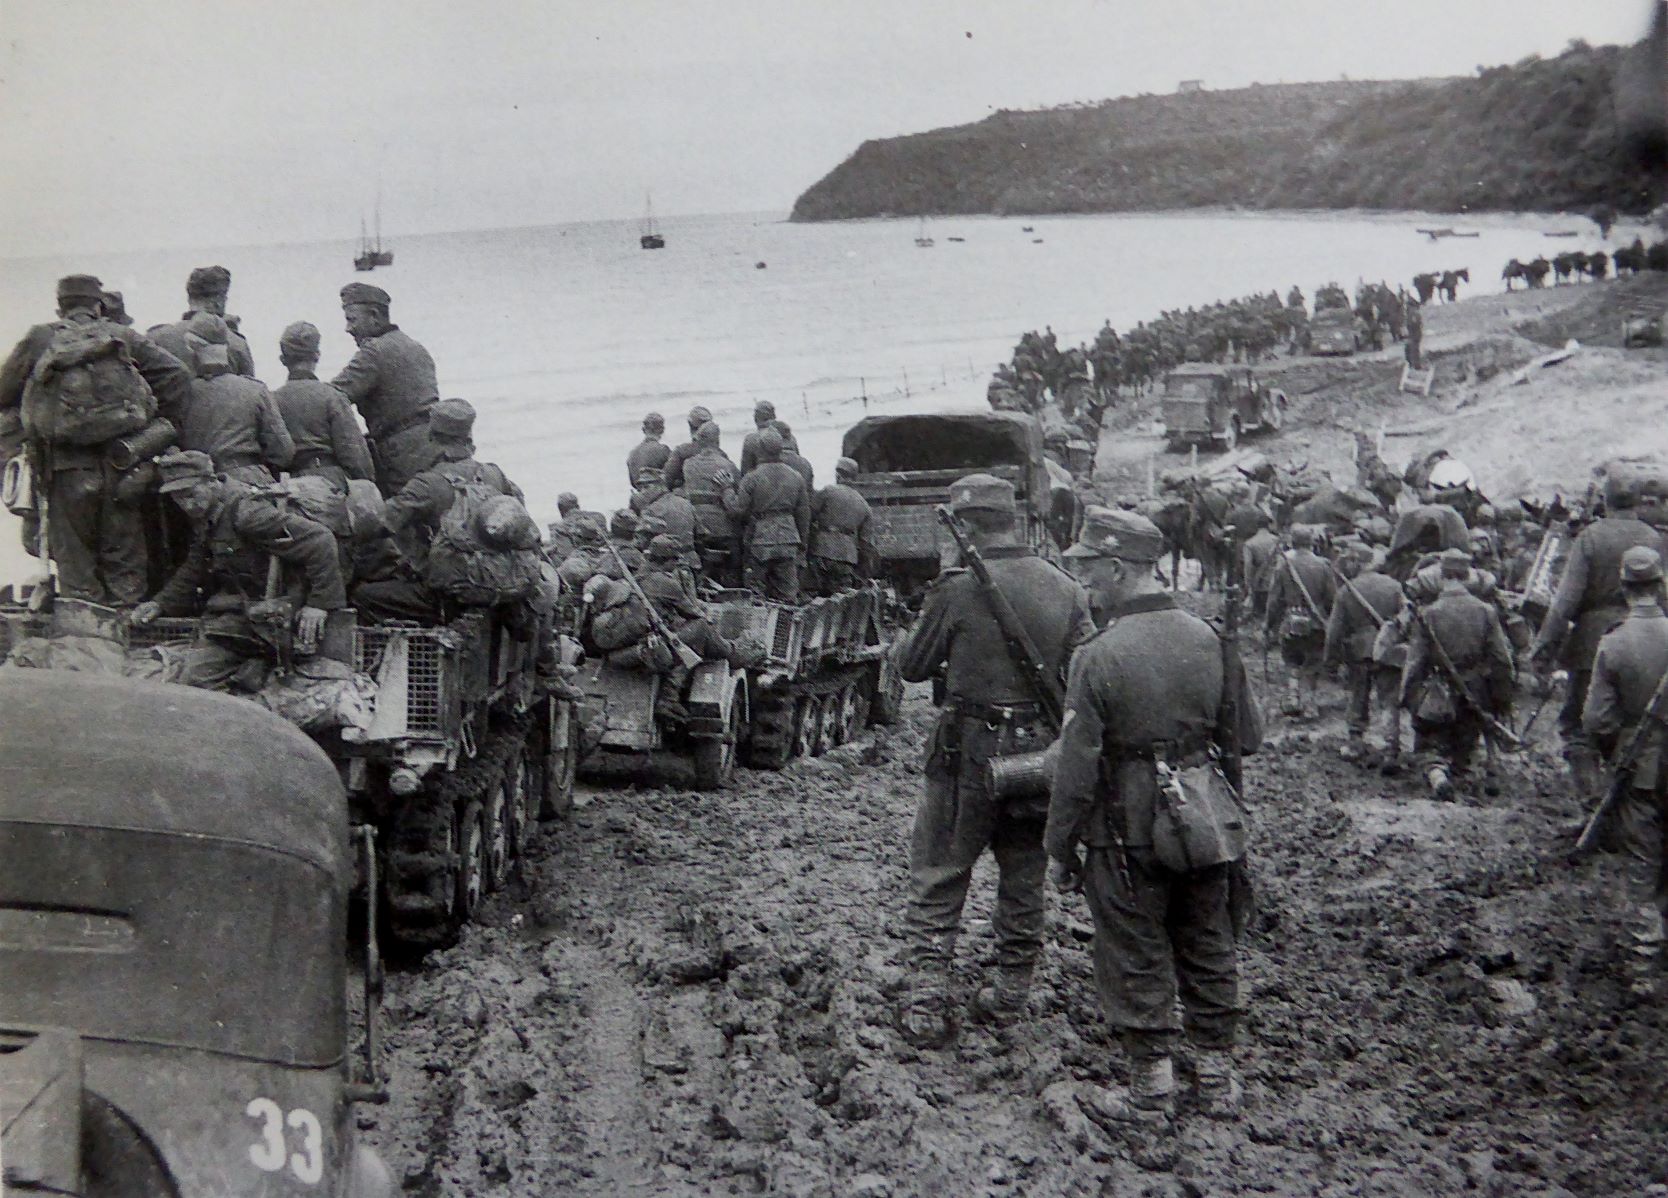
(1536, 271)
(1514, 270)
(1451, 279)
(1425, 285)
(1563, 265)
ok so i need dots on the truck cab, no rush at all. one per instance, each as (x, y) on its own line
(1213, 405)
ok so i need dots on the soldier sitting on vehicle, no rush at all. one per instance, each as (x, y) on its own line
(236, 533)
(233, 419)
(651, 498)
(558, 536)
(841, 555)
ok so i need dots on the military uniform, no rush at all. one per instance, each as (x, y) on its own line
(1300, 593)
(1148, 686)
(763, 413)
(706, 475)
(1256, 556)
(1445, 727)
(840, 550)
(328, 441)
(391, 380)
(989, 710)
(655, 502)
(97, 532)
(1363, 606)
(207, 285)
(226, 570)
(675, 460)
(236, 421)
(774, 503)
(1627, 669)
(649, 454)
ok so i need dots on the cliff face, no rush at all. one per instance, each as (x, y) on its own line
(1540, 134)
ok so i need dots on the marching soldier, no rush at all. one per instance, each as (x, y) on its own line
(1467, 631)
(650, 453)
(1587, 606)
(1300, 594)
(1366, 601)
(840, 555)
(989, 710)
(391, 380)
(1148, 687)
(328, 442)
(774, 504)
(1627, 670)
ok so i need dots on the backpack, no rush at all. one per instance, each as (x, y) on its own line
(85, 390)
(1300, 620)
(467, 561)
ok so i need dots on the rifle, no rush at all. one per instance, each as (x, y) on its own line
(1227, 714)
(1372, 613)
(1042, 682)
(686, 656)
(1621, 770)
(274, 617)
(1462, 693)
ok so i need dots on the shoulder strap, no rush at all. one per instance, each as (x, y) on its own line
(1372, 612)
(1308, 599)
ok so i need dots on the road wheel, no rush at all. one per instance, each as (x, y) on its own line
(770, 744)
(471, 844)
(495, 828)
(560, 766)
(854, 713)
(521, 799)
(827, 716)
(888, 694)
(807, 720)
(715, 760)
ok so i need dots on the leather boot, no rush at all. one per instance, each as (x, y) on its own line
(924, 1017)
(1006, 1001)
(1141, 1116)
(1220, 1094)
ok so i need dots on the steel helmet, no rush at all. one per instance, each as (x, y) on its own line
(1450, 474)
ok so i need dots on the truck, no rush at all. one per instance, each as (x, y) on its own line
(906, 463)
(1213, 405)
(1332, 332)
(465, 749)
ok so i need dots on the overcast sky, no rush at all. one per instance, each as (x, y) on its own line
(144, 123)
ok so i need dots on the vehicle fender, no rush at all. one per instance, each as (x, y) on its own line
(368, 1176)
(709, 688)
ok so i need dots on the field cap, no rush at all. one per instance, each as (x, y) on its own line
(707, 433)
(85, 287)
(982, 493)
(566, 501)
(1303, 536)
(764, 408)
(208, 280)
(663, 549)
(844, 467)
(698, 416)
(623, 524)
(654, 422)
(115, 308)
(1641, 564)
(364, 293)
(1108, 532)
(452, 419)
(770, 445)
(301, 337)
(1454, 563)
(187, 468)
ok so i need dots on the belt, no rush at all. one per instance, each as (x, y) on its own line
(313, 457)
(409, 421)
(993, 713)
(1170, 750)
(231, 461)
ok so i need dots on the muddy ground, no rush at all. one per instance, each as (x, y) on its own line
(695, 994)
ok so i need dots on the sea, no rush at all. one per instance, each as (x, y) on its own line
(564, 336)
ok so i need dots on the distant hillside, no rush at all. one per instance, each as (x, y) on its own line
(1537, 135)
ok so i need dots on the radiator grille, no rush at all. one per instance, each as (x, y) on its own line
(425, 671)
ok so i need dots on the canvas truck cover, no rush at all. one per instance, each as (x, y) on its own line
(174, 860)
(951, 441)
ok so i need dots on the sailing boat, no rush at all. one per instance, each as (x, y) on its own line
(921, 238)
(650, 238)
(372, 255)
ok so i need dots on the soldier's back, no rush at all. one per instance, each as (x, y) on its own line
(1635, 654)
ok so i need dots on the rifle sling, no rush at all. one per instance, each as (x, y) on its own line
(1308, 599)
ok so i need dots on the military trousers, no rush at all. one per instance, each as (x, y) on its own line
(1366, 681)
(956, 822)
(1642, 818)
(828, 576)
(1304, 654)
(1448, 743)
(1569, 715)
(399, 598)
(773, 571)
(96, 536)
(1159, 937)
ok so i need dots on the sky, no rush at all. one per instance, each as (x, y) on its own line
(132, 124)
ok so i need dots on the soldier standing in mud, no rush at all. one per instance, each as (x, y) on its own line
(1149, 685)
(1627, 670)
(989, 710)
(1366, 601)
(1300, 593)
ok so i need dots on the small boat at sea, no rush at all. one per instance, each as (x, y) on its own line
(921, 238)
(649, 236)
(1561, 233)
(371, 254)
(955, 239)
(1026, 229)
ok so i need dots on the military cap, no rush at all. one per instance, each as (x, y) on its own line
(452, 419)
(81, 287)
(566, 501)
(301, 337)
(1641, 564)
(623, 523)
(844, 466)
(764, 408)
(707, 433)
(698, 416)
(654, 422)
(647, 474)
(589, 528)
(1108, 532)
(115, 308)
(1303, 536)
(651, 526)
(364, 293)
(983, 493)
(186, 468)
(663, 549)
(209, 327)
(1454, 563)
(770, 445)
(209, 280)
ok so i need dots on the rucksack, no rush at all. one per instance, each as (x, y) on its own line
(85, 390)
(464, 563)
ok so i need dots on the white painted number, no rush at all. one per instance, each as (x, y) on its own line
(269, 1155)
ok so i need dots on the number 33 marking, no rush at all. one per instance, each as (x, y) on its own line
(271, 1153)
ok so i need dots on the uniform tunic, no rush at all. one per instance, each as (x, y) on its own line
(1285, 593)
(774, 502)
(839, 548)
(237, 423)
(1470, 633)
(1351, 631)
(649, 454)
(958, 819)
(391, 381)
(328, 441)
(1154, 674)
(173, 338)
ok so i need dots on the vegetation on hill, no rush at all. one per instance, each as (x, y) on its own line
(1537, 135)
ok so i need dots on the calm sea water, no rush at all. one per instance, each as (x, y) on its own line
(564, 336)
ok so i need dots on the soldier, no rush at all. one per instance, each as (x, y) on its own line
(1627, 670)
(989, 710)
(1149, 686)
(764, 412)
(558, 539)
(413, 515)
(231, 418)
(391, 380)
(840, 556)
(652, 499)
(95, 523)
(707, 475)
(328, 441)
(206, 291)
(1366, 600)
(115, 308)
(773, 502)
(674, 462)
(1468, 632)
(1300, 594)
(791, 455)
(1587, 606)
(1256, 557)
(236, 534)
(650, 453)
